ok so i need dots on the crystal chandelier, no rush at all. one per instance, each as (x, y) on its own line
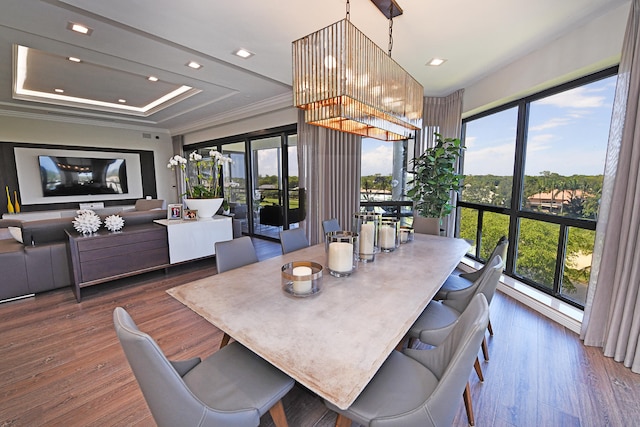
(344, 81)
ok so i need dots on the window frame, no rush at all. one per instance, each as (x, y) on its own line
(515, 212)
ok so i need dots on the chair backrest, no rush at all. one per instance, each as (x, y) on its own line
(486, 285)
(292, 240)
(234, 253)
(423, 225)
(452, 361)
(169, 399)
(329, 225)
(499, 250)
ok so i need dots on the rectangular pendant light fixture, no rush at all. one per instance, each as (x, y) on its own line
(344, 81)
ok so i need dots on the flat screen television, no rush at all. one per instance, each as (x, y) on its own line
(81, 176)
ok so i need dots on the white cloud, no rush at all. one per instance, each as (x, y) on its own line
(550, 124)
(580, 97)
(377, 159)
(495, 160)
(540, 142)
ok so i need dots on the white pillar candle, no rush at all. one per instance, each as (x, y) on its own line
(366, 238)
(301, 286)
(387, 237)
(340, 257)
(404, 236)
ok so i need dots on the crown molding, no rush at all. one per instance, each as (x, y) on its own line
(269, 105)
(93, 120)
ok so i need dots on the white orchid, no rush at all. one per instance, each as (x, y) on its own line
(202, 179)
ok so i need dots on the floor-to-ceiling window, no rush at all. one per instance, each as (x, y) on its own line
(533, 172)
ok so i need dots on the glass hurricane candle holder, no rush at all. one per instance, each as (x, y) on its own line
(366, 226)
(302, 278)
(341, 247)
(406, 234)
(388, 234)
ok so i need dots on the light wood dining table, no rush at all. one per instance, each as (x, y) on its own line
(333, 342)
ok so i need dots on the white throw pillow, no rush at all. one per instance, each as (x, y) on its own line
(16, 232)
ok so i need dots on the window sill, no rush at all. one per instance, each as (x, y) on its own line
(556, 310)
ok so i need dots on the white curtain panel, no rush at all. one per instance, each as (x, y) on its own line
(329, 167)
(612, 312)
(444, 116)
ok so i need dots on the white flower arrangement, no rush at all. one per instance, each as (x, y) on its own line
(87, 221)
(114, 223)
(202, 175)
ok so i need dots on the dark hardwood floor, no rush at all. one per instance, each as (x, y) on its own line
(61, 363)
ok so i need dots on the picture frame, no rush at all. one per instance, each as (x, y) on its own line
(190, 214)
(174, 211)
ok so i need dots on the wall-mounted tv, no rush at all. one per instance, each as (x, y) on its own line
(80, 176)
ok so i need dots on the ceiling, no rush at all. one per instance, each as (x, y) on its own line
(132, 40)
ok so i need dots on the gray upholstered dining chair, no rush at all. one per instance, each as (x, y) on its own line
(456, 282)
(232, 387)
(232, 254)
(426, 225)
(460, 282)
(235, 253)
(418, 387)
(292, 240)
(329, 225)
(440, 317)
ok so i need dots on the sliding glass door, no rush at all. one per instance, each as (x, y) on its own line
(261, 183)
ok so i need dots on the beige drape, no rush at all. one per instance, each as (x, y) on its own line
(444, 116)
(612, 312)
(329, 164)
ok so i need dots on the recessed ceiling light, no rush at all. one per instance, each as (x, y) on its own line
(152, 78)
(194, 65)
(79, 28)
(73, 59)
(436, 61)
(243, 53)
(58, 90)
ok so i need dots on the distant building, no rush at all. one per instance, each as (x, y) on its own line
(554, 201)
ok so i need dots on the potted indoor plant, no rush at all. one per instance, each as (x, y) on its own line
(202, 180)
(434, 178)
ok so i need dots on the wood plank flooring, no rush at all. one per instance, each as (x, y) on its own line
(61, 363)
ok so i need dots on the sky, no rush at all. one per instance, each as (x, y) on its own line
(568, 134)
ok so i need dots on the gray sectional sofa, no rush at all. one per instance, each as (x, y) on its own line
(41, 262)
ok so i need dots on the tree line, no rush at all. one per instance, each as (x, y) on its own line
(576, 196)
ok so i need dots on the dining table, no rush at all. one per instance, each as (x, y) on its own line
(334, 341)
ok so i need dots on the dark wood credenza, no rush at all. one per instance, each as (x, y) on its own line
(106, 256)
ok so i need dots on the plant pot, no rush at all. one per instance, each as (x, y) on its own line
(426, 225)
(206, 207)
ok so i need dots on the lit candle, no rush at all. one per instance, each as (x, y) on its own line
(366, 238)
(387, 237)
(301, 286)
(340, 257)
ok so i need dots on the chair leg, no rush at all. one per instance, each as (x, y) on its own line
(485, 349)
(466, 396)
(277, 415)
(225, 340)
(343, 421)
(490, 328)
(476, 365)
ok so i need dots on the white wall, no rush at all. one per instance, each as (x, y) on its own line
(277, 118)
(590, 48)
(30, 130)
